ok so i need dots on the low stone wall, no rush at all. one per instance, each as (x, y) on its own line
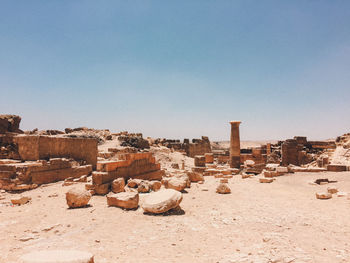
(132, 165)
(24, 176)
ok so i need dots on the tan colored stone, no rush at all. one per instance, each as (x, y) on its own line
(118, 185)
(223, 188)
(127, 200)
(21, 201)
(76, 197)
(332, 190)
(133, 183)
(143, 187)
(266, 180)
(209, 157)
(155, 185)
(178, 184)
(162, 201)
(57, 256)
(199, 161)
(323, 195)
(195, 177)
(244, 176)
(224, 180)
(102, 189)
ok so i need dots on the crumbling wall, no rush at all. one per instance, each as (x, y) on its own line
(10, 123)
(32, 147)
(132, 165)
(17, 176)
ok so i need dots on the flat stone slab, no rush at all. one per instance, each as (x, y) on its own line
(58, 256)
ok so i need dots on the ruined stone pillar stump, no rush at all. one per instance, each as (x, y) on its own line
(235, 146)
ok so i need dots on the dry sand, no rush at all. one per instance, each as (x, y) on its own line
(277, 222)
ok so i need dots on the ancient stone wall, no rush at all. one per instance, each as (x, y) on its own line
(33, 147)
(25, 176)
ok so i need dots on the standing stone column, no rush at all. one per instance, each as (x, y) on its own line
(235, 146)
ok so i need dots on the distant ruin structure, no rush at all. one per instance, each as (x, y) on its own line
(235, 146)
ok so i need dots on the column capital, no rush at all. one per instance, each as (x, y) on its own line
(235, 122)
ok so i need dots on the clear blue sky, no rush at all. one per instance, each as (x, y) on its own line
(178, 68)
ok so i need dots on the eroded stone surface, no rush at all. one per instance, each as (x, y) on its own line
(127, 200)
(76, 197)
(162, 201)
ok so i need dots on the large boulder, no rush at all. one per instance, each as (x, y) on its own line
(162, 201)
(118, 185)
(126, 200)
(76, 197)
(57, 256)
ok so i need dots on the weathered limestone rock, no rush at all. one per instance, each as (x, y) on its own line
(143, 187)
(57, 256)
(223, 188)
(118, 185)
(266, 180)
(77, 198)
(244, 175)
(21, 201)
(155, 185)
(199, 160)
(126, 200)
(162, 201)
(102, 189)
(332, 190)
(209, 157)
(224, 180)
(323, 195)
(178, 184)
(133, 183)
(195, 177)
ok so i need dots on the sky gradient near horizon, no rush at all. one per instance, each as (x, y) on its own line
(178, 69)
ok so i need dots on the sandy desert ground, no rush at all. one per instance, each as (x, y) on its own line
(277, 222)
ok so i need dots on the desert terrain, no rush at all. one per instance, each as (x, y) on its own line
(278, 222)
(123, 198)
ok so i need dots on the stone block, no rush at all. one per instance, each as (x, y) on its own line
(336, 168)
(199, 160)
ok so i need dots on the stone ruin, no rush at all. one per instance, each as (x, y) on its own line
(39, 157)
(196, 147)
(130, 165)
